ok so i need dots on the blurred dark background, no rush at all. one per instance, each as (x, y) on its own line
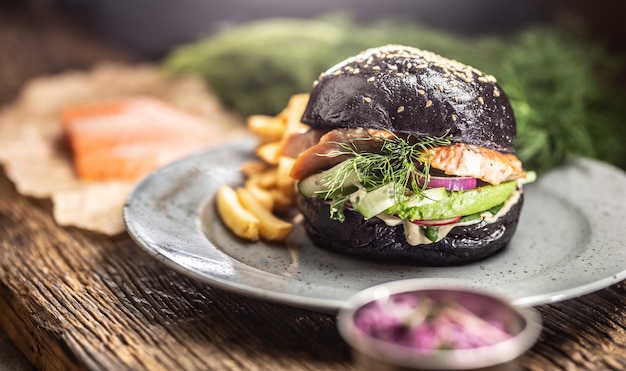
(152, 26)
(48, 36)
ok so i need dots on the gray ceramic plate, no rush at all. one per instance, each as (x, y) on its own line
(569, 242)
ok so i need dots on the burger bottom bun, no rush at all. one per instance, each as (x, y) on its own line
(373, 239)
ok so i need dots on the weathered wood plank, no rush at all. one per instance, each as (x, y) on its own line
(72, 299)
(586, 333)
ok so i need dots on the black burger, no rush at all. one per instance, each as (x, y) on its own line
(409, 158)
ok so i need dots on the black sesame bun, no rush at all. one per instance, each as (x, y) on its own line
(409, 91)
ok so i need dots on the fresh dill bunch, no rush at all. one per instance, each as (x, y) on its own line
(563, 85)
(401, 161)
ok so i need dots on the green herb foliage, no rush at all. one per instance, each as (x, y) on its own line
(555, 78)
(401, 161)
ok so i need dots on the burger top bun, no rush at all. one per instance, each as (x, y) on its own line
(410, 91)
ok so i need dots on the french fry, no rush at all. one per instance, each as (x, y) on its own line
(266, 128)
(282, 201)
(266, 179)
(284, 181)
(264, 196)
(249, 211)
(269, 152)
(236, 217)
(295, 109)
(271, 228)
(254, 167)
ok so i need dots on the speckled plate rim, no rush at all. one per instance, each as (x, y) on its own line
(166, 216)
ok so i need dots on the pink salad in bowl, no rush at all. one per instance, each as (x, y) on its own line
(417, 325)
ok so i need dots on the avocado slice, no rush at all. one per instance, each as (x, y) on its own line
(458, 203)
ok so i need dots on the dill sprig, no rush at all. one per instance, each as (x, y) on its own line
(401, 161)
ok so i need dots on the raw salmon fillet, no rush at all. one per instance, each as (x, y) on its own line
(128, 138)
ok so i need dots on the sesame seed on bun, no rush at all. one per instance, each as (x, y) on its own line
(411, 91)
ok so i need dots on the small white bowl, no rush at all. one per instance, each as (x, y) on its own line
(494, 333)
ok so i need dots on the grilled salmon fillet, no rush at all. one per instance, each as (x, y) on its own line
(468, 160)
(458, 159)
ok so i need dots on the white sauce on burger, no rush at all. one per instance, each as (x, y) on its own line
(414, 233)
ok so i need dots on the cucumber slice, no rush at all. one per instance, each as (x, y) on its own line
(428, 196)
(311, 185)
(315, 184)
(376, 201)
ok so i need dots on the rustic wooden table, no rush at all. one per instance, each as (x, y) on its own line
(71, 299)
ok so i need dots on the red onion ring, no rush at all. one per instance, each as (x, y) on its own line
(450, 183)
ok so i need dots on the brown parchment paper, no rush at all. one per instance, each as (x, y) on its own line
(37, 163)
